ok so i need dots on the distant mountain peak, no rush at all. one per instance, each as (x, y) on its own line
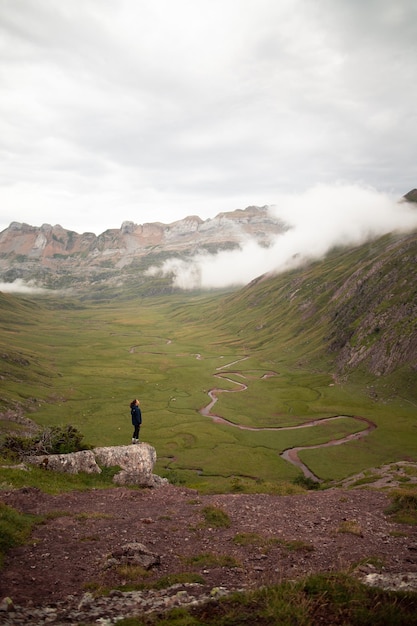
(411, 196)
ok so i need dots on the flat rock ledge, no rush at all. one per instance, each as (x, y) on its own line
(136, 463)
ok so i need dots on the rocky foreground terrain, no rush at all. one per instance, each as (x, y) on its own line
(108, 538)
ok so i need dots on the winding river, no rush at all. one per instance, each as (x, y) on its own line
(290, 454)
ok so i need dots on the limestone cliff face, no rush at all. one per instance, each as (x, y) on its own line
(31, 252)
(46, 242)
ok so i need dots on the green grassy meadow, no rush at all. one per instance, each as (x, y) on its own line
(81, 363)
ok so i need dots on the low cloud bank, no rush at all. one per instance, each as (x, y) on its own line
(318, 219)
(19, 286)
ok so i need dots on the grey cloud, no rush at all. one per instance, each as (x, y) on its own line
(161, 105)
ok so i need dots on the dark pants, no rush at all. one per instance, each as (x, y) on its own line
(136, 431)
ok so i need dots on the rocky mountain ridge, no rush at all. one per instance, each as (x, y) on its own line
(41, 253)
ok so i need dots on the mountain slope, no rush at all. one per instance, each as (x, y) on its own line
(356, 308)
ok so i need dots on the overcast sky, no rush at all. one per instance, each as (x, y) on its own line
(152, 110)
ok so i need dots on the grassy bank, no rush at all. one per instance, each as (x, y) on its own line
(328, 599)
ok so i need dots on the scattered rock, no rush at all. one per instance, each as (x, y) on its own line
(404, 581)
(108, 610)
(135, 554)
(87, 536)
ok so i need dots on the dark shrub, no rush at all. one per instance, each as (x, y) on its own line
(307, 483)
(53, 440)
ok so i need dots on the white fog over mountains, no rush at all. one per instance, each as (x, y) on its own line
(319, 219)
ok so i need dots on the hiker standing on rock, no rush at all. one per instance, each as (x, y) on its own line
(136, 419)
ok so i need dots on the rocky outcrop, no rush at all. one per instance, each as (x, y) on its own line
(136, 463)
(73, 463)
(133, 553)
(373, 313)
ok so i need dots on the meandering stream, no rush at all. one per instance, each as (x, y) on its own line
(291, 454)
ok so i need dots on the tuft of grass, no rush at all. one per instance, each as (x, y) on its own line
(55, 482)
(237, 485)
(249, 539)
(351, 527)
(296, 545)
(132, 572)
(96, 588)
(15, 528)
(404, 506)
(306, 483)
(410, 470)
(375, 561)
(215, 517)
(366, 480)
(90, 538)
(209, 559)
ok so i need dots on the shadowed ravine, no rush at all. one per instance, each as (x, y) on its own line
(291, 454)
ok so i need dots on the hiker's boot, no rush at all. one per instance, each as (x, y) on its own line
(134, 440)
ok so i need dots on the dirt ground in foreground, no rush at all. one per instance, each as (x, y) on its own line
(325, 531)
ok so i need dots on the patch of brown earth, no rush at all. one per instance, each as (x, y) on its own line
(320, 531)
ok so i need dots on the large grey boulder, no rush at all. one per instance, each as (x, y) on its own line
(136, 463)
(73, 463)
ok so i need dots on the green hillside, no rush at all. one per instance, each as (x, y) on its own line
(283, 351)
(352, 314)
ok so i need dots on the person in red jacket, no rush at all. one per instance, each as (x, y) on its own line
(136, 414)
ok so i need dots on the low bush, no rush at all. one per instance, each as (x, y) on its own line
(306, 483)
(53, 440)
